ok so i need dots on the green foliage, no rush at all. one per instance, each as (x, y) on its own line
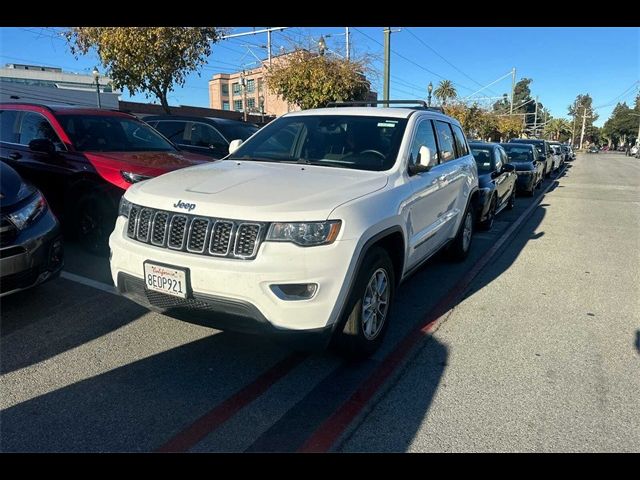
(445, 91)
(622, 125)
(484, 124)
(558, 129)
(151, 60)
(312, 81)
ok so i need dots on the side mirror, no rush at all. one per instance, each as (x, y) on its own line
(234, 145)
(42, 145)
(508, 168)
(423, 161)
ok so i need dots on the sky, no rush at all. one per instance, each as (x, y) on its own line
(562, 61)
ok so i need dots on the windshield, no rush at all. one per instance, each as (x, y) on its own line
(518, 153)
(235, 131)
(357, 142)
(101, 133)
(483, 159)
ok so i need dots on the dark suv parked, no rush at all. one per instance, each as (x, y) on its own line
(83, 159)
(30, 240)
(544, 152)
(205, 135)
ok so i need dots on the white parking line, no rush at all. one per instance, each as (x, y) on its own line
(105, 287)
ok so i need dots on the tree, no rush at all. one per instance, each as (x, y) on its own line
(509, 126)
(558, 128)
(151, 60)
(312, 81)
(582, 104)
(444, 91)
(622, 125)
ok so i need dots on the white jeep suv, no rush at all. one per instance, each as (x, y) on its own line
(306, 229)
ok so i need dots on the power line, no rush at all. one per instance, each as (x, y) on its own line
(619, 96)
(443, 58)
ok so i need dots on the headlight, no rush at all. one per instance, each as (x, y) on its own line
(305, 234)
(133, 177)
(125, 207)
(29, 213)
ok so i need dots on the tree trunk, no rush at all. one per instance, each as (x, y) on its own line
(165, 104)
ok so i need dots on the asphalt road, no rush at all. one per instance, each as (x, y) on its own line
(543, 354)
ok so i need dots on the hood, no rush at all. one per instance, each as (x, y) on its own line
(259, 191)
(149, 164)
(12, 188)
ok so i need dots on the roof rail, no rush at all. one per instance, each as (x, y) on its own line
(366, 103)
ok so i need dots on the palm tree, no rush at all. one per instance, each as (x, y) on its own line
(556, 127)
(444, 91)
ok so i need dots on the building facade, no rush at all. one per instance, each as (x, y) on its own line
(51, 85)
(226, 92)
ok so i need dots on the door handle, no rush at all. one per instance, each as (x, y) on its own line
(442, 178)
(15, 155)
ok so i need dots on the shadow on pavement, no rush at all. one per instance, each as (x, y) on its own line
(137, 407)
(638, 341)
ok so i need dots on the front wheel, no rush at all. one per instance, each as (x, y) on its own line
(368, 307)
(94, 222)
(512, 200)
(487, 223)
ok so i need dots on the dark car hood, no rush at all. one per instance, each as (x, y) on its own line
(485, 180)
(12, 188)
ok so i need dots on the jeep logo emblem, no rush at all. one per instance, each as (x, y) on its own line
(186, 206)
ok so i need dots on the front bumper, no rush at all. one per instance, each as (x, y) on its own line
(224, 286)
(35, 256)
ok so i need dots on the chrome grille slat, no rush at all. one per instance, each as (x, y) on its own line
(198, 232)
(159, 228)
(192, 234)
(221, 235)
(177, 232)
(144, 224)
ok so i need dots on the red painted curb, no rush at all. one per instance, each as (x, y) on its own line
(210, 421)
(330, 431)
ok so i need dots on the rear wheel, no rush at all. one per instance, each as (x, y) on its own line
(487, 223)
(368, 307)
(461, 244)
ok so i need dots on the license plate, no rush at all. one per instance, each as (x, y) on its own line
(169, 280)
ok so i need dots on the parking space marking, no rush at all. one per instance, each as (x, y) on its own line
(105, 287)
(332, 429)
(213, 419)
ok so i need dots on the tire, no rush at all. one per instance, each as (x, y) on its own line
(487, 224)
(94, 221)
(461, 243)
(362, 330)
(512, 200)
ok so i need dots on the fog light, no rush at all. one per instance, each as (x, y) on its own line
(295, 291)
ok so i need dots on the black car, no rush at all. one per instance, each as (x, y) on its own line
(566, 151)
(544, 151)
(31, 250)
(496, 182)
(205, 135)
(529, 167)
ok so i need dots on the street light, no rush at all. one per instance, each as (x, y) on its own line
(322, 45)
(429, 89)
(96, 75)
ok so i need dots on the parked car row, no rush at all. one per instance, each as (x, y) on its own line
(303, 231)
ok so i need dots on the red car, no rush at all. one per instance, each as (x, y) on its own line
(83, 159)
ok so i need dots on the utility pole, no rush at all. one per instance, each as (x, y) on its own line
(573, 127)
(269, 46)
(243, 84)
(513, 88)
(584, 119)
(346, 33)
(387, 58)
(535, 119)
(387, 54)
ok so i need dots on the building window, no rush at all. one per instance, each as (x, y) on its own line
(251, 86)
(237, 105)
(225, 89)
(260, 85)
(236, 89)
(225, 105)
(251, 104)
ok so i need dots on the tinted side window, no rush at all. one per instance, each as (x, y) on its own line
(8, 126)
(497, 159)
(445, 140)
(461, 143)
(203, 135)
(503, 155)
(173, 130)
(35, 127)
(424, 137)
